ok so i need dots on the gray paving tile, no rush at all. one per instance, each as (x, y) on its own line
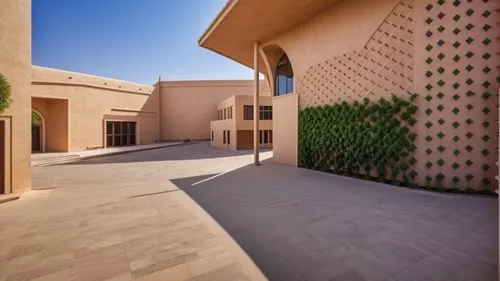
(326, 226)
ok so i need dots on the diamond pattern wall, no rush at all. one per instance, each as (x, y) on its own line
(383, 67)
(458, 78)
(447, 52)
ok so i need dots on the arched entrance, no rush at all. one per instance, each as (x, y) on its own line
(37, 132)
(285, 108)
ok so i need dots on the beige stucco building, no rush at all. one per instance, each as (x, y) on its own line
(233, 127)
(77, 112)
(61, 111)
(314, 54)
(81, 112)
(323, 52)
(15, 65)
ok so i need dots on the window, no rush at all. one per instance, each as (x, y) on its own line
(265, 136)
(120, 133)
(212, 136)
(248, 112)
(228, 137)
(284, 76)
(230, 112)
(266, 112)
(224, 137)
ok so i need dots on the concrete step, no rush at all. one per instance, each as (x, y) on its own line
(43, 162)
(4, 198)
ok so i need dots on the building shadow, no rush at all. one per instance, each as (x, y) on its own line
(298, 224)
(188, 151)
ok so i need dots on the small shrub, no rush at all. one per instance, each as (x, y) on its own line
(5, 94)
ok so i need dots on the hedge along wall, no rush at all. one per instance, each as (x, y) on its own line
(453, 68)
(368, 139)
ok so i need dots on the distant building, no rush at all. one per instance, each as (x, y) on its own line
(61, 111)
(233, 128)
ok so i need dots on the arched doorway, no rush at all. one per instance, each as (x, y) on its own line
(37, 132)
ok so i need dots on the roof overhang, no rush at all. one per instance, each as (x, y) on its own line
(242, 22)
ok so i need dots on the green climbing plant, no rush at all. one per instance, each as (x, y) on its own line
(363, 139)
(35, 118)
(5, 94)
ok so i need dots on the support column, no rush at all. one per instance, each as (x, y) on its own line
(159, 110)
(256, 104)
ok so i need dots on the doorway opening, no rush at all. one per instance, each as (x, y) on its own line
(2, 157)
(37, 127)
(120, 133)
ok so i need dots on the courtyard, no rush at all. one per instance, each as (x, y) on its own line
(137, 216)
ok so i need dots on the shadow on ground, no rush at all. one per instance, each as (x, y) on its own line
(298, 224)
(190, 151)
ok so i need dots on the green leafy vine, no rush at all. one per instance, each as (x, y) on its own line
(5, 93)
(363, 139)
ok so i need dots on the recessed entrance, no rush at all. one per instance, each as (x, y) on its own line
(120, 133)
(36, 132)
(2, 157)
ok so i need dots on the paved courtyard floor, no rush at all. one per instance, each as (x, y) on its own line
(120, 218)
(298, 224)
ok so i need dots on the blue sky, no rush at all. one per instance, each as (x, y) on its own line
(134, 40)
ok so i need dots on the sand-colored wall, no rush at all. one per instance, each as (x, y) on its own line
(241, 123)
(15, 65)
(469, 80)
(344, 28)
(237, 125)
(285, 126)
(375, 49)
(55, 125)
(91, 100)
(187, 107)
(218, 127)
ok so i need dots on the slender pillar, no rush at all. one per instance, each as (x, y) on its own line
(159, 113)
(256, 104)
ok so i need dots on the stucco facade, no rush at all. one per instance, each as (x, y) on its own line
(232, 129)
(444, 51)
(76, 110)
(187, 107)
(91, 101)
(340, 51)
(15, 65)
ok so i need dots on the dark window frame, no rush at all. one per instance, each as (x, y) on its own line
(121, 133)
(284, 78)
(265, 112)
(247, 112)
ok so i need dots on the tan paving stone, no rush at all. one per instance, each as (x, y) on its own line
(56, 275)
(229, 272)
(175, 273)
(119, 222)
